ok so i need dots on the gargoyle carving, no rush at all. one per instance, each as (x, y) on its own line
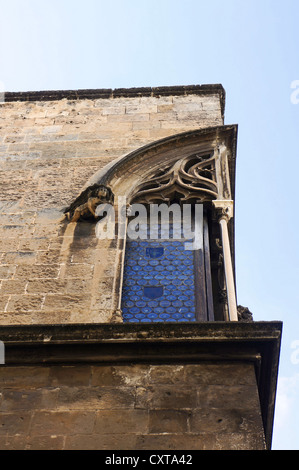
(85, 205)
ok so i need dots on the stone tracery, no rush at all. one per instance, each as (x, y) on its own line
(192, 177)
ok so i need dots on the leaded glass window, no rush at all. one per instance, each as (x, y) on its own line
(158, 282)
(165, 282)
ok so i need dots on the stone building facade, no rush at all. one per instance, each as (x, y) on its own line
(77, 375)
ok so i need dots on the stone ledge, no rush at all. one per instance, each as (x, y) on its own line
(54, 95)
(99, 333)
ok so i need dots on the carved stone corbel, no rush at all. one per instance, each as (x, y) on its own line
(224, 209)
(85, 205)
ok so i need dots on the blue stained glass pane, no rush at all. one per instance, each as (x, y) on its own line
(177, 303)
(189, 293)
(171, 288)
(131, 262)
(135, 268)
(170, 309)
(171, 298)
(140, 316)
(183, 297)
(160, 277)
(189, 303)
(148, 269)
(159, 268)
(170, 268)
(181, 277)
(134, 310)
(153, 292)
(176, 293)
(152, 316)
(189, 315)
(165, 262)
(153, 263)
(158, 282)
(183, 310)
(146, 310)
(177, 316)
(165, 303)
(143, 244)
(154, 252)
(136, 290)
(187, 262)
(142, 262)
(176, 262)
(158, 310)
(164, 316)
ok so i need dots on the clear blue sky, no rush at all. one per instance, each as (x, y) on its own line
(251, 48)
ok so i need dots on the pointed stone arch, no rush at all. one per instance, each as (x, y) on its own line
(126, 175)
(202, 165)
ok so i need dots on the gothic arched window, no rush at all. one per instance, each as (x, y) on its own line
(161, 279)
(167, 274)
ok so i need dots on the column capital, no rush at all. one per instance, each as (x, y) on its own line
(224, 209)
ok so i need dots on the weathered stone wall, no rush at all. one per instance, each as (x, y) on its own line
(51, 273)
(131, 407)
(84, 388)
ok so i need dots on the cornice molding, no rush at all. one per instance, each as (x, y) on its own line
(104, 93)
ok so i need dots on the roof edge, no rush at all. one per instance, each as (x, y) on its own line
(104, 93)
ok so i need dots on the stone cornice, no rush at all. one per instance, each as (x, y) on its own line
(54, 95)
(100, 333)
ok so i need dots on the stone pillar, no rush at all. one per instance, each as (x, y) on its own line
(224, 210)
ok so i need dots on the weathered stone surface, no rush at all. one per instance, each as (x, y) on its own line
(105, 407)
(47, 423)
(168, 421)
(52, 272)
(49, 149)
(83, 391)
(121, 422)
